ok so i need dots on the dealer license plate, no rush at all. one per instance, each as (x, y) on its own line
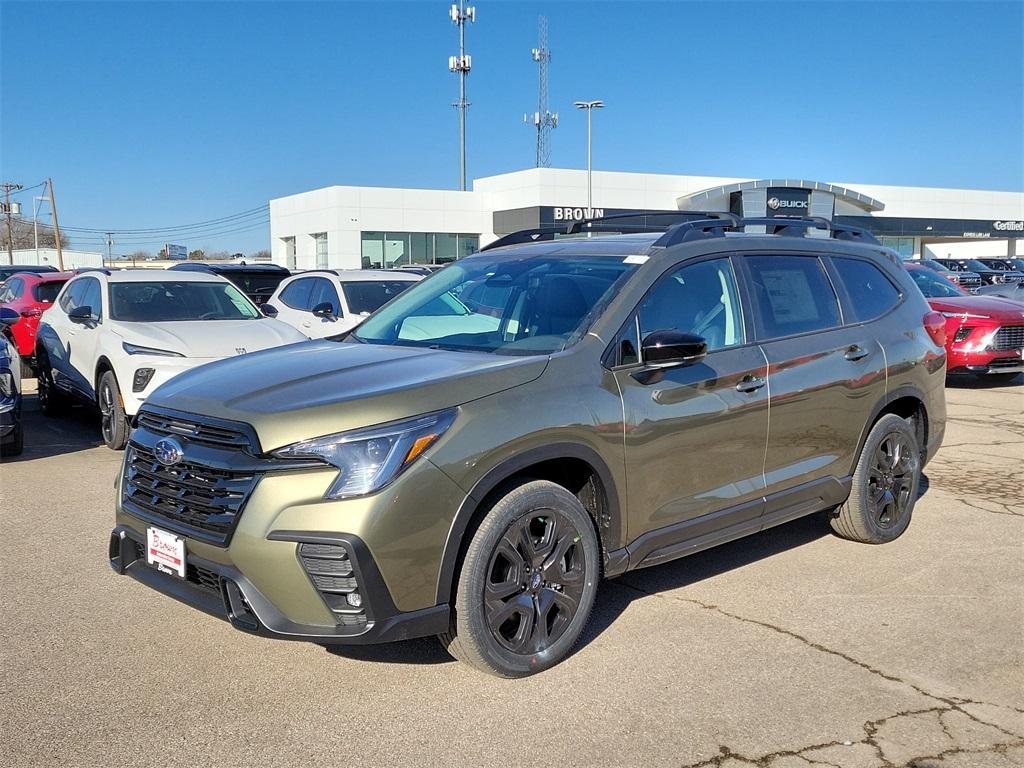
(165, 551)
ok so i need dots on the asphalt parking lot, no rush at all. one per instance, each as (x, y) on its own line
(790, 648)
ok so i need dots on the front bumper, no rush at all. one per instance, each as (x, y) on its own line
(223, 591)
(986, 362)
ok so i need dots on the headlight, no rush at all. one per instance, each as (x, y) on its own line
(966, 315)
(135, 349)
(369, 459)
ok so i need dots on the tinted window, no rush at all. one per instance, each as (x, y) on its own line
(324, 292)
(699, 299)
(298, 293)
(870, 292)
(15, 288)
(72, 297)
(368, 296)
(47, 292)
(793, 295)
(91, 296)
(256, 284)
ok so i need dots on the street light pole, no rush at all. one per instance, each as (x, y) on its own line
(590, 106)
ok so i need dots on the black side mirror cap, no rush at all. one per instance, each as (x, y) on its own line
(324, 309)
(670, 348)
(268, 310)
(81, 315)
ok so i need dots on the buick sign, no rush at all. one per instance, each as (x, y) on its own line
(783, 201)
(774, 203)
(168, 451)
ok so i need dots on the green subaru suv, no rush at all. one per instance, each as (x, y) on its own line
(481, 451)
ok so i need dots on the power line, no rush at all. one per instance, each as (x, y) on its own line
(100, 239)
(223, 219)
(23, 190)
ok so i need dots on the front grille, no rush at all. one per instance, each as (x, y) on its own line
(330, 569)
(197, 500)
(196, 431)
(1009, 337)
(1013, 277)
(968, 282)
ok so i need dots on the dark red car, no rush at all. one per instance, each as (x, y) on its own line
(984, 334)
(30, 294)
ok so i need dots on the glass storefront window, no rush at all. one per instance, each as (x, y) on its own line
(382, 250)
(904, 246)
(289, 252)
(321, 250)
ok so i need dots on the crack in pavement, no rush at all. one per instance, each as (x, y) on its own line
(948, 704)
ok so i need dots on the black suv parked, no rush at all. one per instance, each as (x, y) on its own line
(257, 281)
(989, 275)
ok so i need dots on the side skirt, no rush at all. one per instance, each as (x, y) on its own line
(692, 536)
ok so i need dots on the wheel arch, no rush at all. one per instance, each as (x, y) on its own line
(908, 403)
(103, 365)
(578, 468)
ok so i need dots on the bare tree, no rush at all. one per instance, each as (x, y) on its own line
(140, 255)
(196, 255)
(22, 235)
(263, 255)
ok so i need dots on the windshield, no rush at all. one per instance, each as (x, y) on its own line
(47, 292)
(933, 286)
(934, 265)
(502, 304)
(170, 301)
(974, 265)
(256, 283)
(368, 296)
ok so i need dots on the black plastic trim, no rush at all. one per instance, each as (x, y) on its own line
(611, 536)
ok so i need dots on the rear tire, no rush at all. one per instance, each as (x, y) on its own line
(51, 402)
(113, 421)
(527, 584)
(885, 485)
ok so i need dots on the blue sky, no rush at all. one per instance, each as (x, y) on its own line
(160, 114)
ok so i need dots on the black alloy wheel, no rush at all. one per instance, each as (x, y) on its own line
(534, 582)
(890, 479)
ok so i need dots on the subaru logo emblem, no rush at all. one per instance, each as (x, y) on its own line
(168, 451)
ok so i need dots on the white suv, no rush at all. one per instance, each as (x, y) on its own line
(111, 338)
(328, 302)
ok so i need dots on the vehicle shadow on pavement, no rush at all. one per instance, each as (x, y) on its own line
(423, 650)
(983, 382)
(78, 430)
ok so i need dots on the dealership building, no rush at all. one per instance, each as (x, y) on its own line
(343, 227)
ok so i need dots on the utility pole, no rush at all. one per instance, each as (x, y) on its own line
(543, 120)
(56, 227)
(110, 242)
(36, 202)
(461, 64)
(590, 106)
(8, 188)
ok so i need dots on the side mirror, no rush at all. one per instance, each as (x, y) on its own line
(671, 348)
(81, 315)
(324, 309)
(9, 316)
(269, 310)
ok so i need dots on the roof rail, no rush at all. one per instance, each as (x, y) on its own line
(525, 236)
(784, 226)
(579, 226)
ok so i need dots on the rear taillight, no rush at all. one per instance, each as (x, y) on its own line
(32, 312)
(935, 324)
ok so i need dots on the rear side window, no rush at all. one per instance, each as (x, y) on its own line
(47, 292)
(792, 295)
(869, 291)
(297, 294)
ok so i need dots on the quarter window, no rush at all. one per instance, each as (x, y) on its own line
(870, 292)
(698, 298)
(298, 293)
(793, 295)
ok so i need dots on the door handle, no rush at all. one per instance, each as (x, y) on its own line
(856, 352)
(750, 384)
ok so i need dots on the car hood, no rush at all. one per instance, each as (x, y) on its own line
(211, 339)
(997, 308)
(307, 390)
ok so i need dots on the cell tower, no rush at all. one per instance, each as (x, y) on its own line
(543, 120)
(461, 64)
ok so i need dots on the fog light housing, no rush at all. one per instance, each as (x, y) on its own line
(142, 378)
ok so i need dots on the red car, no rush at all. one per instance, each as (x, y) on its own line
(984, 334)
(30, 294)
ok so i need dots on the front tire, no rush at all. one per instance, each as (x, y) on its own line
(17, 442)
(51, 402)
(113, 422)
(885, 485)
(528, 583)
